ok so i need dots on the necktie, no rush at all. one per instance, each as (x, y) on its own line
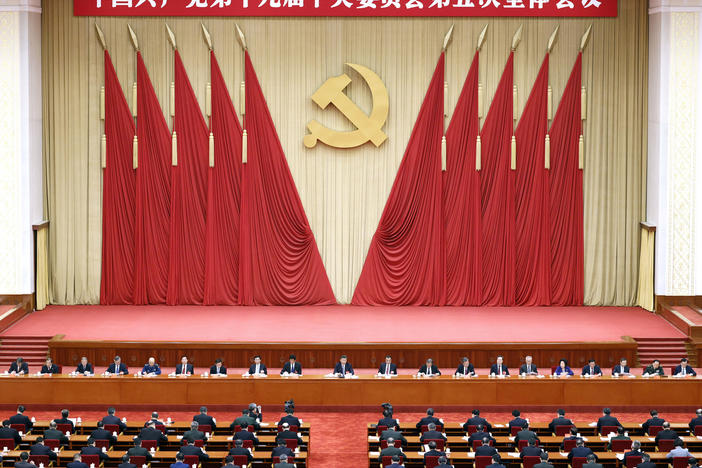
(428, 370)
(116, 368)
(528, 368)
(387, 369)
(499, 370)
(683, 371)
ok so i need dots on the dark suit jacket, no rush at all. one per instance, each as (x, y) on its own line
(496, 465)
(246, 435)
(651, 371)
(245, 421)
(618, 370)
(296, 370)
(290, 419)
(23, 368)
(397, 435)
(65, 421)
(388, 422)
(694, 422)
(432, 435)
(205, 419)
(462, 370)
(77, 464)
(530, 451)
(214, 371)
(54, 369)
(518, 422)
(285, 435)
(646, 465)
(525, 435)
(543, 465)
(688, 370)
(262, 369)
(193, 450)
(493, 369)
(580, 452)
(149, 433)
(485, 451)
(278, 451)
(390, 451)
(123, 369)
(592, 465)
(477, 421)
(139, 452)
(480, 436)
(89, 450)
(633, 453)
(425, 421)
(523, 369)
(243, 451)
(102, 434)
(596, 370)
(126, 465)
(9, 433)
(617, 437)
(568, 438)
(21, 464)
(193, 435)
(666, 434)
(434, 370)
(55, 434)
(434, 453)
(393, 368)
(188, 369)
(348, 368)
(109, 419)
(41, 449)
(283, 465)
(652, 422)
(22, 419)
(607, 421)
(559, 421)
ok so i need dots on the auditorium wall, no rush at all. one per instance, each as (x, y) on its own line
(344, 191)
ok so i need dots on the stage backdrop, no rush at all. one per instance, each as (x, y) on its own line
(344, 191)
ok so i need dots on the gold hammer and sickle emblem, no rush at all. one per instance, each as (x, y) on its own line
(369, 127)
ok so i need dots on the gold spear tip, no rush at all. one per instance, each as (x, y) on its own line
(552, 39)
(517, 37)
(101, 37)
(208, 38)
(240, 36)
(586, 38)
(481, 38)
(171, 36)
(132, 35)
(447, 37)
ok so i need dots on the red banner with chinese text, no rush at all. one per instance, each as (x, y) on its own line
(427, 8)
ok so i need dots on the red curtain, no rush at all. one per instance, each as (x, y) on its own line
(533, 254)
(462, 199)
(223, 197)
(152, 195)
(567, 196)
(186, 278)
(279, 260)
(497, 196)
(117, 280)
(404, 263)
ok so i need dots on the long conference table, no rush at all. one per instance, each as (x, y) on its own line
(366, 390)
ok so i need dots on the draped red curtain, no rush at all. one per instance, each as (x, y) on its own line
(462, 222)
(497, 196)
(533, 253)
(152, 195)
(404, 263)
(567, 283)
(279, 260)
(223, 197)
(117, 280)
(186, 278)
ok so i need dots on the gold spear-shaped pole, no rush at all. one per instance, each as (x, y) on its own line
(242, 96)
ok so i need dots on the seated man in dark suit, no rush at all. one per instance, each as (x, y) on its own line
(433, 452)
(292, 366)
(693, 463)
(432, 434)
(388, 367)
(244, 434)
(654, 369)
(54, 434)
(684, 369)
(24, 461)
(476, 420)
(91, 449)
(290, 417)
(21, 418)
(6, 432)
(465, 368)
(239, 449)
(206, 419)
(530, 450)
(592, 369)
(218, 368)
(154, 419)
(151, 433)
(393, 434)
(559, 420)
(528, 368)
(126, 462)
(525, 434)
(634, 452)
(485, 450)
(101, 434)
(391, 451)
(282, 449)
(151, 368)
(283, 463)
(428, 419)
(573, 436)
(496, 462)
(19, 367)
(544, 461)
(258, 367)
(518, 421)
(499, 369)
(621, 368)
(646, 462)
(580, 451)
(343, 367)
(606, 420)
(395, 462)
(591, 461)
(666, 433)
(480, 434)
(653, 421)
(194, 433)
(49, 367)
(429, 369)
(117, 367)
(621, 435)
(388, 421)
(192, 449)
(40, 449)
(138, 450)
(244, 421)
(694, 422)
(77, 462)
(184, 368)
(286, 434)
(64, 420)
(111, 418)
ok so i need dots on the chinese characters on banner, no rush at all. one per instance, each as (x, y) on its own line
(562, 8)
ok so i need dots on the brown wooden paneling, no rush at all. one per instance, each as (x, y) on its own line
(361, 355)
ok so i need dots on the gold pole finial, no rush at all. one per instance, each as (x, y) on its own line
(447, 38)
(517, 37)
(240, 36)
(171, 37)
(586, 38)
(481, 38)
(132, 35)
(207, 36)
(101, 37)
(552, 39)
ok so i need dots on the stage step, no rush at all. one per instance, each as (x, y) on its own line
(33, 349)
(668, 351)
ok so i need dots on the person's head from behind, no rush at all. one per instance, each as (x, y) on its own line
(24, 456)
(125, 458)
(590, 458)
(636, 445)
(229, 460)
(606, 411)
(432, 445)
(579, 442)
(544, 456)
(180, 457)
(532, 442)
(666, 425)
(430, 411)
(194, 425)
(240, 443)
(645, 458)
(654, 413)
(496, 458)
(443, 461)
(560, 412)
(396, 459)
(486, 441)
(283, 458)
(76, 457)
(64, 413)
(431, 426)
(516, 413)
(677, 443)
(621, 431)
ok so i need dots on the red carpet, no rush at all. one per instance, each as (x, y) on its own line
(345, 323)
(338, 440)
